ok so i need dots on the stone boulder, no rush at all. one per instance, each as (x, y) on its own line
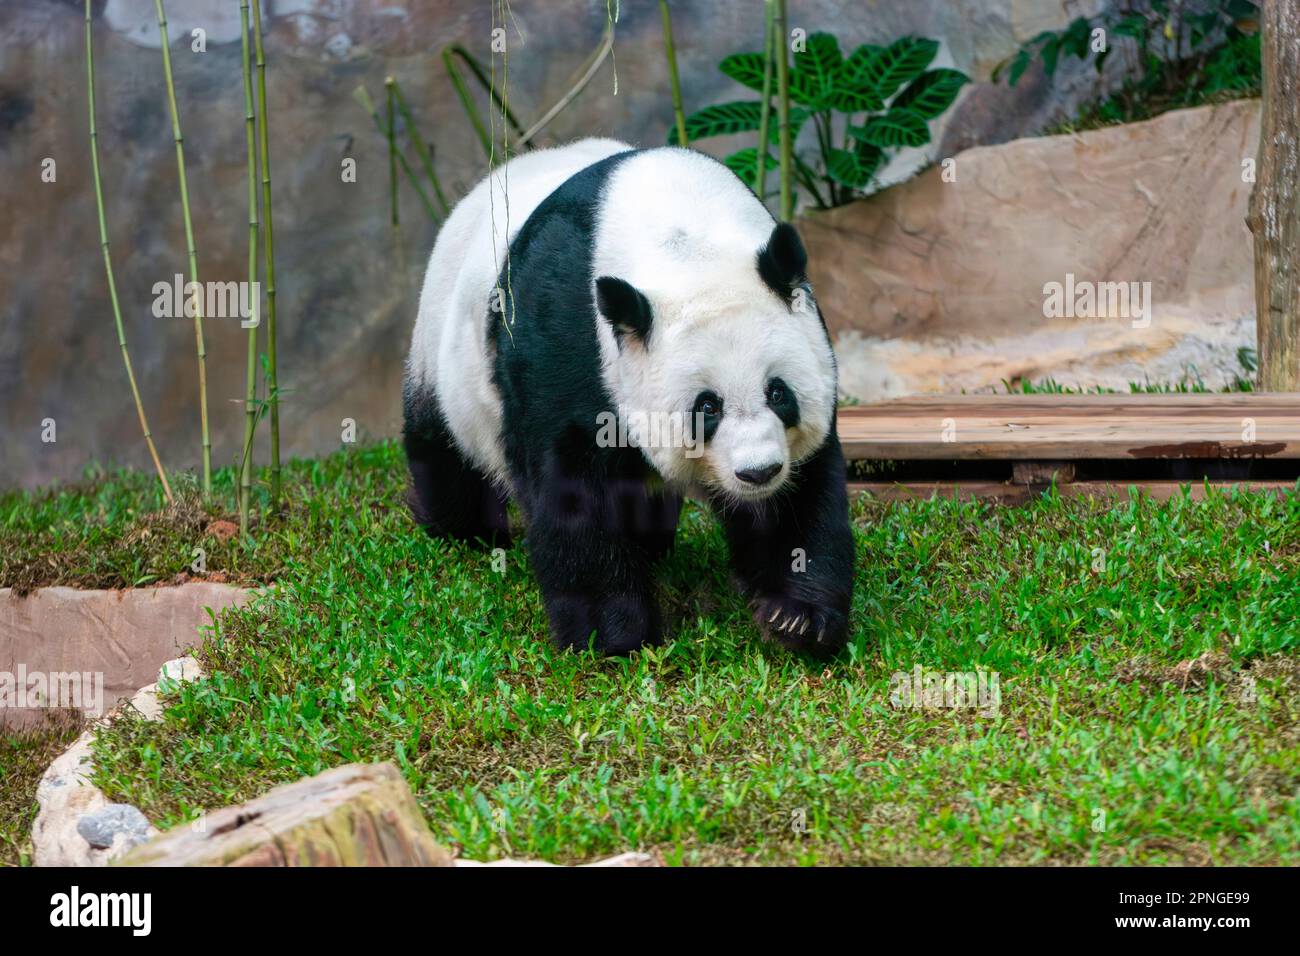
(939, 283)
(112, 641)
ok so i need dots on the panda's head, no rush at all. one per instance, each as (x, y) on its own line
(733, 350)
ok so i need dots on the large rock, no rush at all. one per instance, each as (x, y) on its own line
(939, 285)
(346, 285)
(75, 824)
(100, 647)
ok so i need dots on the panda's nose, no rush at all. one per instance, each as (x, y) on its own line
(758, 476)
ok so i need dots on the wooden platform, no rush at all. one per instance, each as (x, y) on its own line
(1009, 447)
(1072, 427)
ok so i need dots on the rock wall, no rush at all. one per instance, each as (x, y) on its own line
(346, 283)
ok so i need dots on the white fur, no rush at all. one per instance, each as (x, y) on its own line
(447, 348)
(684, 231)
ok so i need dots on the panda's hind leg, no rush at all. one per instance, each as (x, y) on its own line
(449, 497)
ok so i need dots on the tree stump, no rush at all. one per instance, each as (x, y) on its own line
(355, 815)
(1275, 203)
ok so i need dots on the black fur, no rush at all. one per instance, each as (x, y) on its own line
(626, 308)
(793, 554)
(594, 527)
(449, 497)
(783, 263)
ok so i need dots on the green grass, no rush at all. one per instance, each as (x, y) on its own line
(381, 644)
(24, 755)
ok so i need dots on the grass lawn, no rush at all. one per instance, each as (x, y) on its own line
(381, 644)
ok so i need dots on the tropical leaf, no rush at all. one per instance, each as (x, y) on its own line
(856, 101)
(815, 72)
(898, 127)
(1076, 39)
(855, 74)
(745, 68)
(854, 168)
(898, 64)
(1050, 52)
(932, 92)
(744, 164)
(719, 120)
(1019, 63)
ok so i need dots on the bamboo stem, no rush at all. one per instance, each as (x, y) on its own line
(765, 111)
(392, 150)
(189, 245)
(108, 262)
(426, 158)
(585, 75)
(783, 110)
(362, 96)
(671, 53)
(272, 387)
(462, 93)
(250, 396)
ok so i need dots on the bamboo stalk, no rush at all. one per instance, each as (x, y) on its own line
(392, 150)
(462, 93)
(765, 111)
(783, 110)
(250, 396)
(108, 263)
(362, 96)
(272, 387)
(467, 102)
(426, 158)
(671, 53)
(585, 75)
(189, 245)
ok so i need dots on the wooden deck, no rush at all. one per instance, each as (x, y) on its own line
(1074, 427)
(1010, 447)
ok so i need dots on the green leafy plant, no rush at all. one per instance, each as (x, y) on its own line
(862, 108)
(1176, 53)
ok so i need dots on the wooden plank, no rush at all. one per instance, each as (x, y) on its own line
(1011, 494)
(1072, 427)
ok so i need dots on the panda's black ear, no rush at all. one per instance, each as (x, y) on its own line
(783, 263)
(627, 309)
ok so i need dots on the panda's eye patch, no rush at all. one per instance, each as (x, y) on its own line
(706, 416)
(708, 404)
(782, 401)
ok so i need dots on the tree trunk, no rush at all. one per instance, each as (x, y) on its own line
(1275, 203)
(355, 815)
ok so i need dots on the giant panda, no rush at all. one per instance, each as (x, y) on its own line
(596, 283)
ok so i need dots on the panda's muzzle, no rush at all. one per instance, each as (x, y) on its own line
(758, 476)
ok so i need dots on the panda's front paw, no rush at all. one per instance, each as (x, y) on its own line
(799, 625)
(621, 623)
